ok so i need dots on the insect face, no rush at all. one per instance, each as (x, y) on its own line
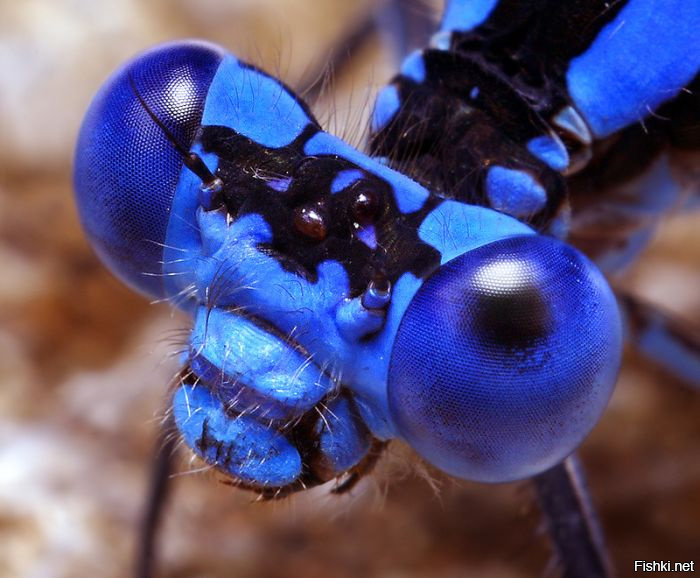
(337, 304)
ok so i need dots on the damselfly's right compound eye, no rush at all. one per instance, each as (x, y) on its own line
(505, 359)
(131, 153)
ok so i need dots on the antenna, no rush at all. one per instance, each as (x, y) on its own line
(210, 182)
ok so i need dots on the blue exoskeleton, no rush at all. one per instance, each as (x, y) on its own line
(336, 302)
(582, 119)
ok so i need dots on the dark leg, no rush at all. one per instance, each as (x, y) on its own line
(672, 343)
(571, 520)
(156, 500)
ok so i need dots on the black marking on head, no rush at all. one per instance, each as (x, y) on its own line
(302, 240)
(207, 441)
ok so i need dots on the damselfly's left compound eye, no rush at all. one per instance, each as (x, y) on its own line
(505, 359)
(131, 151)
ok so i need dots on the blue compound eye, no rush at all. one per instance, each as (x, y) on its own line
(127, 160)
(505, 359)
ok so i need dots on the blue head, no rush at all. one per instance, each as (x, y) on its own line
(320, 279)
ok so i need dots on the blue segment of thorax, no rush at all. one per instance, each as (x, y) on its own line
(550, 151)
(662, 37)
(465, 15)
(514, 192)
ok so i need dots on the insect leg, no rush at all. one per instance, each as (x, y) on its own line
(670, 342)
(571, 521)
(158, 491)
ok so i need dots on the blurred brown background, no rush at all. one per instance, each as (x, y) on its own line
(84, 363)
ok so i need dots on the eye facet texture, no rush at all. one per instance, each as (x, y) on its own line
(505, 359)
(127, 166)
